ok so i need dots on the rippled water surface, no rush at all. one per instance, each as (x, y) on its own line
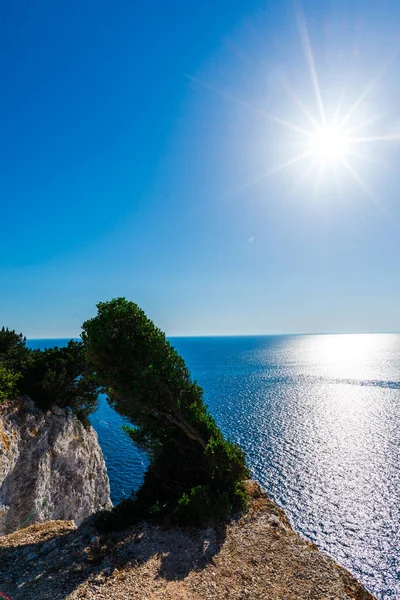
(319, 418)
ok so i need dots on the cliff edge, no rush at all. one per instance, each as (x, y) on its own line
(256, 556)
(51, 467)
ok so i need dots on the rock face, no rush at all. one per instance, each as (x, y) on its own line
(51, 467)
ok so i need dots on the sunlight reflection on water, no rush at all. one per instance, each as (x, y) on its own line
(319, 419)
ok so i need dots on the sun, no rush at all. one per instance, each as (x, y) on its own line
(329, 144)
(329, 140)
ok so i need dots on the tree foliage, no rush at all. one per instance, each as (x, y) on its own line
(10, 340)
(8, 384)
(56, 376)
(60, 376)
(194, 475)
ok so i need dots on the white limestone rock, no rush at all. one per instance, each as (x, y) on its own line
(51, 467)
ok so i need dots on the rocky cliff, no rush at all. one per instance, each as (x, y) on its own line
(256, 556)
(51, 467)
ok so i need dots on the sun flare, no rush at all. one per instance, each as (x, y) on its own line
(330, 144)
(333, 138)
(335, 141)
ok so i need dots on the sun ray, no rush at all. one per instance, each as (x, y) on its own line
(360, 100)
(305, 110)
(366, 189)
(371, 85)
(332, 142)
(364, 124)
(265, 176)
(289, 163)
(360, 182)
(366, 158)
(376, 138)
(305, 38)
(339, 107)
(249, 106)
(288, 124)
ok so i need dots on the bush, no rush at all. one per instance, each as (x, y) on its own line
(195, 476)
(8, 384)
(60, 376)
(10, 340)
(56, 376)
(14, 355)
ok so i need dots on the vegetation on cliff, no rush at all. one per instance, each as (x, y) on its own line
(56, 376)
(194, 475)
(8, 384)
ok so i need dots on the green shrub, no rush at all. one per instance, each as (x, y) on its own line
(60, 376)
(194, 476)
(10, 340)
(8, 384)
(56, 376)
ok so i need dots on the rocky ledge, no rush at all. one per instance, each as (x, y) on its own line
(257, 556)
(51, 467)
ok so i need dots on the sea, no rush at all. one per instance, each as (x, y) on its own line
(319, 419)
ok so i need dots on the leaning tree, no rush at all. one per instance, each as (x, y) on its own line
(194, 474)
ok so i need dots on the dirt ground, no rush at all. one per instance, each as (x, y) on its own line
(257, 557)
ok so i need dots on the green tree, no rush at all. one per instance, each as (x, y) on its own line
(14, 355)
(194, 474)
(54, 376)
(60, 376)
(10, 340)
(8, 384)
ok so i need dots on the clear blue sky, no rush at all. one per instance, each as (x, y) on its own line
(139, 155)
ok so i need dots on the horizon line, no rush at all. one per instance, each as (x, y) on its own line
(227, 335)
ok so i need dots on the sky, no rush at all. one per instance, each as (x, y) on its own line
(171, 152)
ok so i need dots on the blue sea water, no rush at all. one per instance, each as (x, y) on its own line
(319, 419)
